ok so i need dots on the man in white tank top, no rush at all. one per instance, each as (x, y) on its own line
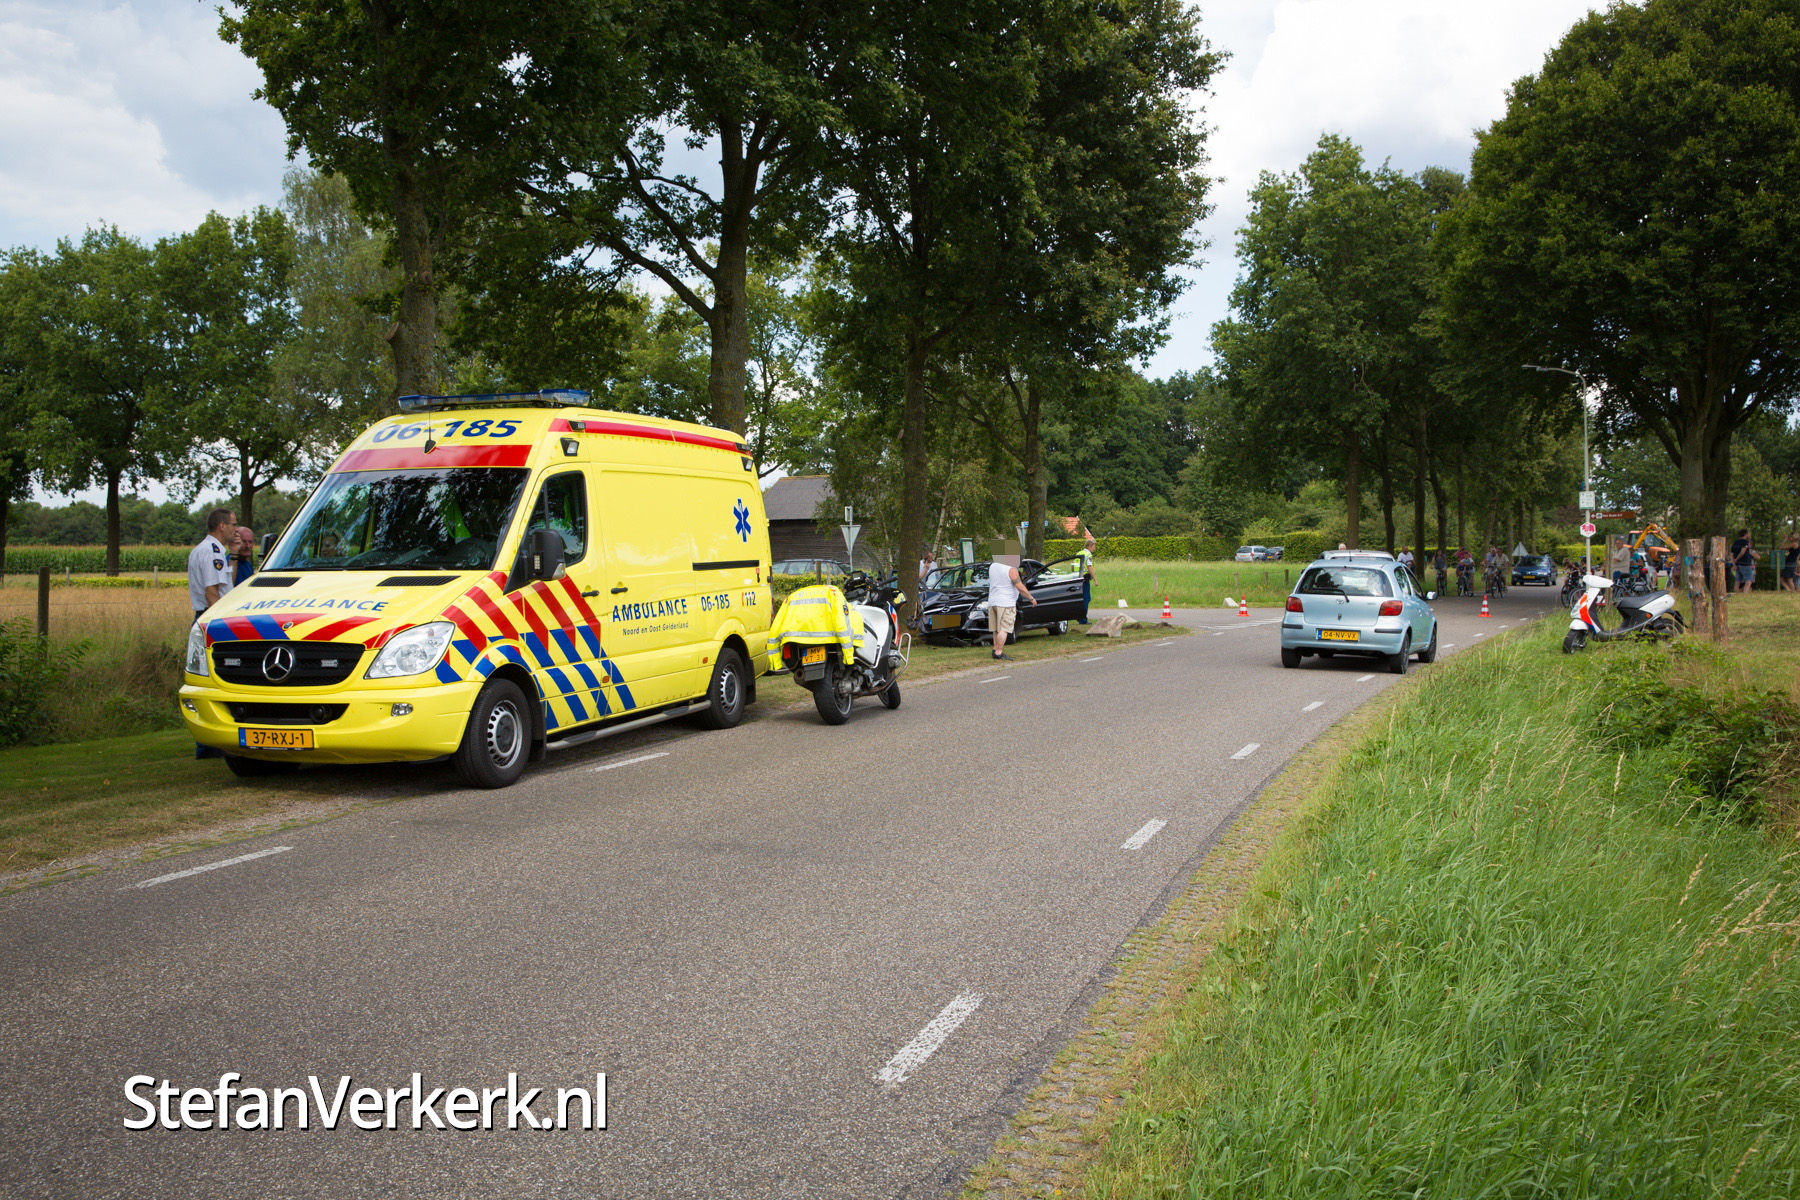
(1004, 589)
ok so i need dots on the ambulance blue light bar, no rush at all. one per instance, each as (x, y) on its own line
(552, 397)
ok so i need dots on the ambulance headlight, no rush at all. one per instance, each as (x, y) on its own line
(412, 653)
(196, 650)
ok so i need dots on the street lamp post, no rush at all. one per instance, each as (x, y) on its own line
(1587, 478)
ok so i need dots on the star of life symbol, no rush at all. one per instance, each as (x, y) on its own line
(742, 512)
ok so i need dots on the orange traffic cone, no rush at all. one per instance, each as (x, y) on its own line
(1168, 615)
(1484, 607)
(1244, 605)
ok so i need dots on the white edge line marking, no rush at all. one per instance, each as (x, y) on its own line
(1096, 658)
(1151, 829)
(626, 762)
(1169, 642)
(1247, 751)
(995, 678)
(212, 866)
(1364, 678)
(912, 1056)
(1313, 705)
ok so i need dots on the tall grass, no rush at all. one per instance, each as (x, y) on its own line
(1511, 960)
(129, 667)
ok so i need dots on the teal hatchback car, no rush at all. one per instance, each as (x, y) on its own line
(1363, 603)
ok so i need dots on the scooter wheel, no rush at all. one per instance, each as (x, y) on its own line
(891, 697)
(1662, 628)
(1573, 641)
(833, 705)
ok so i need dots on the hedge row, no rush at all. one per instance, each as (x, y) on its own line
(27, 560)
(1301, 545)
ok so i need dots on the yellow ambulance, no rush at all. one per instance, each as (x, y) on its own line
(482, 577)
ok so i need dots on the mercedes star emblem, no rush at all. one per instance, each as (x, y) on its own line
(277, 664)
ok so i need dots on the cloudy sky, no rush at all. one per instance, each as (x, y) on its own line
(135, 114)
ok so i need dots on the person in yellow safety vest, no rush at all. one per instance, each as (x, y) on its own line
(1086, 559)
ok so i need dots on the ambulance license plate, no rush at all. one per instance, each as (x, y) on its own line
(275, 739)
(809, 657)
(1338, 635)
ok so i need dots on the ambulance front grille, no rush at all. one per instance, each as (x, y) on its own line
(304, 664)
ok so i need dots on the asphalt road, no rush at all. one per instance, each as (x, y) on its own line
(811, 962)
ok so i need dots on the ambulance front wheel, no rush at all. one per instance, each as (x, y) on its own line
(498, 738)
(725, 695)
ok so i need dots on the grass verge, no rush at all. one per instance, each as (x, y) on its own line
(1507, 954)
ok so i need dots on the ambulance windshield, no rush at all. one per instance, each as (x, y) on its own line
(450, 519)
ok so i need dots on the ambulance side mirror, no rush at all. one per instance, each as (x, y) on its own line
(268, 544)
(541, 557)
(544, 550)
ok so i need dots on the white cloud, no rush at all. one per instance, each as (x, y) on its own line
(132, 115)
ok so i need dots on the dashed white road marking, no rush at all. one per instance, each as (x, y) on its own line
(1449, 645)
(1096, 658)
(913, 1055)
(626, 762)
(995, 678)
(213, 866)
(1313, 705)
(1168, 642)
(1364, 678)
(1247, 751)
(1136, 841)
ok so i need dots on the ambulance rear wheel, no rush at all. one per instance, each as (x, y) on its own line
(833, 705)
(725, 695)
(498, 738)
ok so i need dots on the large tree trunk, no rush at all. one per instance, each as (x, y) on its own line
(1420, 466)
(1352, 492)
(1704, 442)
(246, 493)
(1387, 505)
(729, 322)
(413, 338)
(1037, 485)
(913, 463)
(1462, 501)
(112, 520)
(728, 373)
(1443, 511)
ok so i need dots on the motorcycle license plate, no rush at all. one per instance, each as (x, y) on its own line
(809, 657)
(1337, 635)
(275, 739)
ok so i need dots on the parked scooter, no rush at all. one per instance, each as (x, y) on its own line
(842, 644)
(1652, 615)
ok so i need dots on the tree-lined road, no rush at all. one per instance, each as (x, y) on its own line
(810, 961)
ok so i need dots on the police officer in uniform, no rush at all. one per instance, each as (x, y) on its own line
(209, 563)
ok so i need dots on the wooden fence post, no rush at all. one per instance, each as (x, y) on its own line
(43, 601)
(1716, 575)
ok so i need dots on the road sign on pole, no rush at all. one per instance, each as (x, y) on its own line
(1586, 501)
(850, 532)
(1588, 529)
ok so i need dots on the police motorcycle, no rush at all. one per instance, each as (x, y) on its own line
(1649, 614)
(841, 644)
